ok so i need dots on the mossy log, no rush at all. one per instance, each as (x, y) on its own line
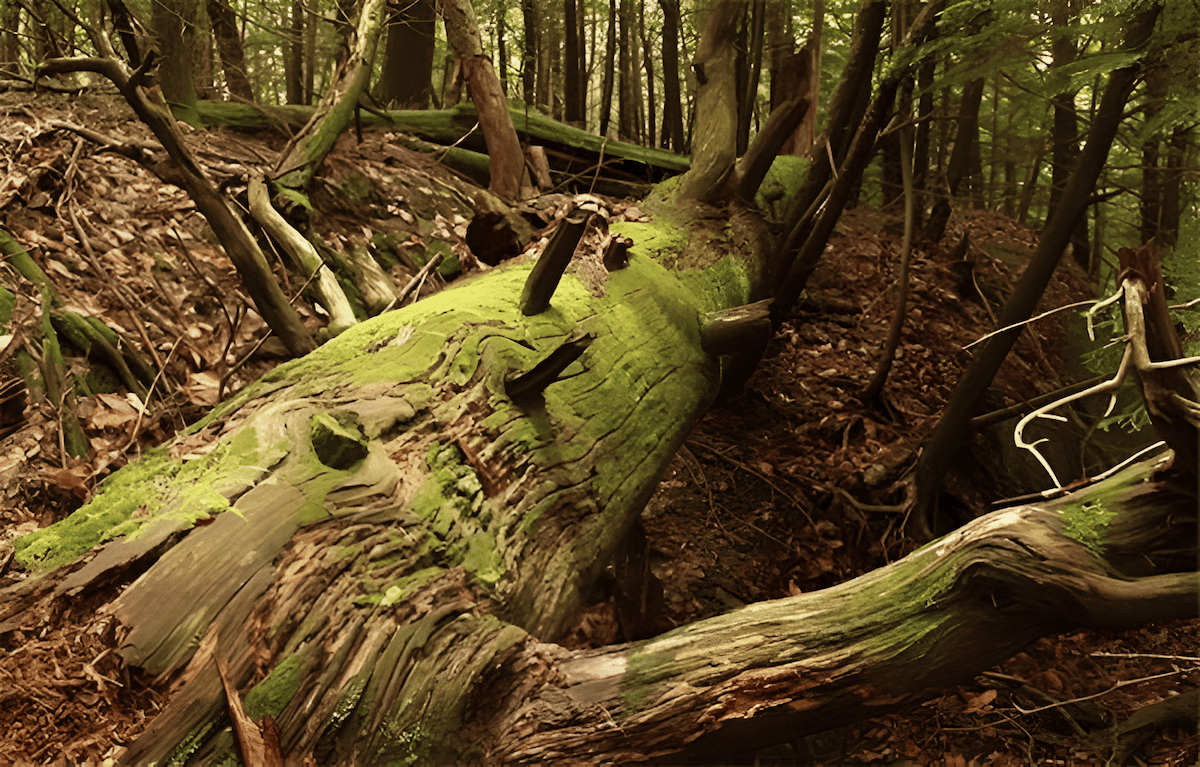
(571, 150)
(384, 501)
(377, 544)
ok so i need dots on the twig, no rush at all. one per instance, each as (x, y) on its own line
(1029, 321)
(1044, 412)
(417, 280)
(763, 477)
(1153, 656)
(1117, 686)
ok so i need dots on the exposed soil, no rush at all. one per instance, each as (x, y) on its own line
(788, 486)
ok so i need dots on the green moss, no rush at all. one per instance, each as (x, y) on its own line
(153, 488)
(136, 487)
(356, 189)
(270, 696)
(1087, 523)
(8, 303)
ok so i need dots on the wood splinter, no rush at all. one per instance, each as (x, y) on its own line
(734, 330)
(530, 384)
(551, 265)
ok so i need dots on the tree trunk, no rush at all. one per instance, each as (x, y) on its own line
(229, 48)
(954, 425)
(1065, 130)
(419, 507)
(293, 56)
(504, 149)
(1150, 207)
(572, 63)
(407, 79)
(627, 126)
(966, 138)
(714, 148)
(530, 56)
(478, 484)
(174, 25)
(610, 59)
(672, 122)
(749, 94)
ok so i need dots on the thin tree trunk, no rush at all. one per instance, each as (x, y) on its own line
(757, 12)
(572, 80)
(672, 128)
(530, 56)
(294, 56)
(610, 57)
(648, 64)
(506, 160)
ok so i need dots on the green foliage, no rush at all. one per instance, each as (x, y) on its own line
(1181, 272)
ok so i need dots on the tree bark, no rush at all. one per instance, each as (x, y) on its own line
(407, 80)
(529, 57)
(293, 55)
(174, 25)
(610, 72)
(714, 146)
(229, 48)
(573, 80)
(504, 149)
(473, 517)
(672, 122)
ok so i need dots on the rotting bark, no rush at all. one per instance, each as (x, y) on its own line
(714, 146)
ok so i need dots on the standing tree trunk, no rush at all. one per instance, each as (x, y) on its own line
(505, 158)
(749, 95)
(529, 55)
(573, 66)
(672, 122)
(1150, 207)
(627, 102)
(229, 48)
(407, 78)
(958, 168)
(714, 148)
(610, 56)
(293, 56)
(174, 25)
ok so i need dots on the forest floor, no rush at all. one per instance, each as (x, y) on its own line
(788, 486)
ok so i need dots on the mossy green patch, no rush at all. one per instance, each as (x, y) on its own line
(153, 488)
(270, 696)
(1088, 523)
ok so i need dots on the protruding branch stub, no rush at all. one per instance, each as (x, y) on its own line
(553, 262)
(529, 385)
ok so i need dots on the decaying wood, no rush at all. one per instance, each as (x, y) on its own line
(312, 267)
(393, 506)
(774, 671)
